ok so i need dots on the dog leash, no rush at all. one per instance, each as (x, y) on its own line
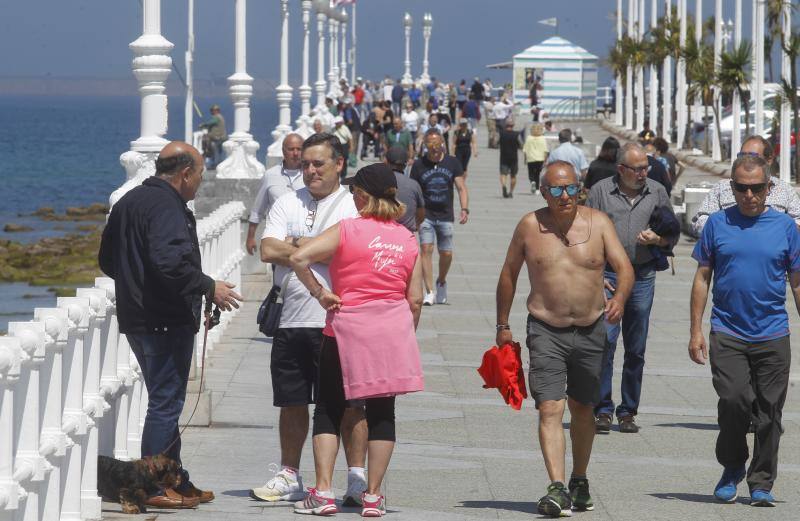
(211, 320)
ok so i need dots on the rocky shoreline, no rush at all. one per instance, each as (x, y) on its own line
(60, 263)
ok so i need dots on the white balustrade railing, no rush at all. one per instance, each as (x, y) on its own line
(70, 389)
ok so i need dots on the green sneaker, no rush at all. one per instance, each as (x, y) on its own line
(556, 503)
(579, 492)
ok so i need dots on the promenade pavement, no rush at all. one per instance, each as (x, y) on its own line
(462, 454)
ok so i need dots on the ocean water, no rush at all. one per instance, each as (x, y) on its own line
(64, 151)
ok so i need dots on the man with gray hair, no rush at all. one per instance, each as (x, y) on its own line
(631, 199)
(568, 152)
(749, 249)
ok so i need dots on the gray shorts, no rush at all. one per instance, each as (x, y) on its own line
(568, 358)
(509, 169)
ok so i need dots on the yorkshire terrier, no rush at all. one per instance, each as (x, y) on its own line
(132, 482)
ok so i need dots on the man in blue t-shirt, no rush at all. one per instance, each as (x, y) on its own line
(437, 173)
(748, 248)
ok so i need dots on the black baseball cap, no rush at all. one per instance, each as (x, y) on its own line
(375, 179)
(397, 156)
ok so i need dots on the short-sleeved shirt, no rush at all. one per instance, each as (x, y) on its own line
(750, 257)
(411, 120)
(398, 139)
(276, 182)
(571, 154)
(510, 143)
(436, 180)
(410, 194)
(289, 217)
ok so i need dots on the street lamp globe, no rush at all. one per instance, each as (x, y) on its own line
(407, 20)
(321, 6)
(343, 17)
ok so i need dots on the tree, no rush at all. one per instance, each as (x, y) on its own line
(789, 90)
(704, 85)
(690, 53)
(774, 32)
(733, 76)
(617, 61)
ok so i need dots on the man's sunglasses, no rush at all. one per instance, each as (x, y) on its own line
(748, 154)
(572, 190)
(754, 188)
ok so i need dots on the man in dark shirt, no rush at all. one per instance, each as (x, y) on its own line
(437, 173)
(408, 190)
(510, 143)
(150, 249)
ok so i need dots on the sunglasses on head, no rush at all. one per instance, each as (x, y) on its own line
(748, 154)
(756, 188)
(572, 190)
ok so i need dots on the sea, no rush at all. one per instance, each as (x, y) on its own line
(64, 151)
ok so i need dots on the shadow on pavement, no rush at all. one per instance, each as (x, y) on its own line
(237, 493)
(527, 507)
(684, 496)
(697, 426)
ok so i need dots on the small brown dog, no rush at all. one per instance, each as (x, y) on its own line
(132, 482)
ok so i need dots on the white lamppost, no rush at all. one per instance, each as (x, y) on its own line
(343, 66)
(188, 114)
(618, 94)
(151, 66)
(305, 89)
(640, 23)
(653, 117)
(758, 80)
(353, 45)
(240, 147)
(666, 80)
(283, 93)
(321, 8)
(427, 27)
(786, 71)
(680, 78)
(716, 152)
(333, 69)
(407, 80)
(629, 75)
(736, 135)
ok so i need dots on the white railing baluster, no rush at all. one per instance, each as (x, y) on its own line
(11, 356)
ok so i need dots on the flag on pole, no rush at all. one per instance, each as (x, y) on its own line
(552, 22)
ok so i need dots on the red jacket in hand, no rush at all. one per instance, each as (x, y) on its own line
(502, 369)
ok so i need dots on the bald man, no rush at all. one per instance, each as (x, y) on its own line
(565, 247)
(150, 249)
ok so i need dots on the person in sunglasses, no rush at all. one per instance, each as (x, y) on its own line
(565, 247)
(782, 197)
(749, 249)
(630, 199)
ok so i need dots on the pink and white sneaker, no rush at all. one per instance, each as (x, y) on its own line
(373, 505)
(316, 504)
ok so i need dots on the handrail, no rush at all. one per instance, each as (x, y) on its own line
(70, 389)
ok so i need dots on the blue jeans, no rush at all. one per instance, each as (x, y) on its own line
(165, 360)
(635, 324)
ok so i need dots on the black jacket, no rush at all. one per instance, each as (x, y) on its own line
(150, 249)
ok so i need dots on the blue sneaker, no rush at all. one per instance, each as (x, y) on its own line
(725, 490)
(761, 498)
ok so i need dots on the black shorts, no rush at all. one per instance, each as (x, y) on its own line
(294, 363)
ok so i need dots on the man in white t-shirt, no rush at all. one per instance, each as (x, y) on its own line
(294, 219)
(411, 121)
(278, 180)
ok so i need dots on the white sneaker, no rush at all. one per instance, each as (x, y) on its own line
(429, 299)
(534, 188)
(441, 293)
(284, 486)
(317, 504)
(356, 485)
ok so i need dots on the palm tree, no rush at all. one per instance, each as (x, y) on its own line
(789, 88)
(733, 76)
(774, 14)
(704, 85)
(690, 53)
(617, 61)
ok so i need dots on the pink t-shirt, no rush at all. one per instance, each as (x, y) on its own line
(374, 261)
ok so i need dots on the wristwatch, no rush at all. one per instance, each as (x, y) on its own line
(502, 327)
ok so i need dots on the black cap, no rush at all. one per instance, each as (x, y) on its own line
(375, 179)
(397, 156)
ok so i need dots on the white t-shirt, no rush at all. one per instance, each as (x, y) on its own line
(411, 120)
(289, 217)
(275, 183)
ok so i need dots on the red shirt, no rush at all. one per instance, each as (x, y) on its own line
(358, 95)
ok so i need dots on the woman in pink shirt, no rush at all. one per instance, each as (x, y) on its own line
(370, 349)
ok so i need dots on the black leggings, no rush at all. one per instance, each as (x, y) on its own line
(534, 169)
(330, 404)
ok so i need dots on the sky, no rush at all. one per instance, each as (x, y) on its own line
(89, 38)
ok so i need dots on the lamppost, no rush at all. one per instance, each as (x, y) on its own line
(407, 80)
(427, 26)
(736, 103)
(321, 8)
(666, 81)
(333, 69)
(343, 66)
(653, 117)
(618, 80)
(629, 76)
(680, 77)
(716, 99)
(305, 89)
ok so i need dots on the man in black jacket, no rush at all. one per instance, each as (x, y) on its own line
(150, 249)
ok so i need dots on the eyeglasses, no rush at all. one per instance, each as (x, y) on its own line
(748, 154)
(572, 190)
(637, 169)
(756, 188)
(312, 215)
(317, 164)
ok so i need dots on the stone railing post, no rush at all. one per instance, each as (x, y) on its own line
(11, 356)
(29, 465)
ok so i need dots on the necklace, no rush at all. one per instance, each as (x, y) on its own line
(565, 239)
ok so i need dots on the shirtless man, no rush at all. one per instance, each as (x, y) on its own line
(565, 247)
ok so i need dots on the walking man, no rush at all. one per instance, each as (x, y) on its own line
(408, 191)
(749, 249)
(150, 249)
(510, 144)
(568, 152)
(437, 173)
(630, 199)
(278, 180)
(564, 247)
(293, 220)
